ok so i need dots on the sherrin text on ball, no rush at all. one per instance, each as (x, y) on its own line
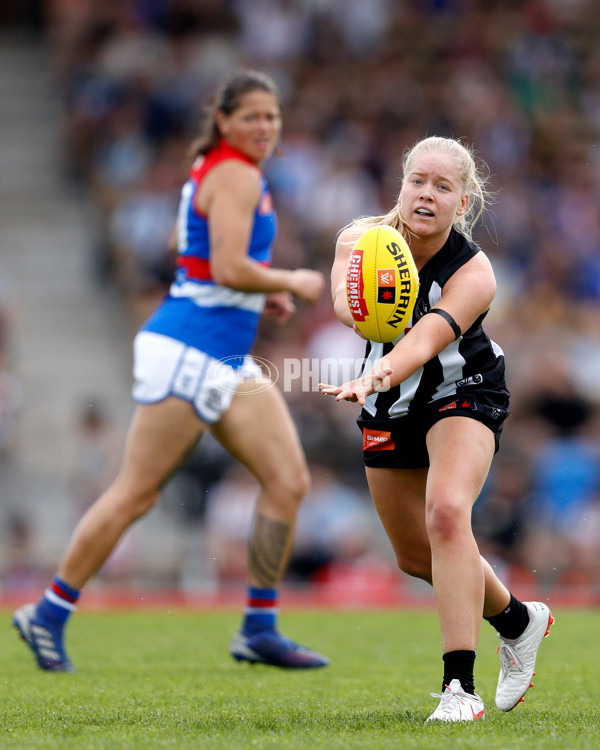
(381, 283)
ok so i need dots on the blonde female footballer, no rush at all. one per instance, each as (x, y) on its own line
(433, 405)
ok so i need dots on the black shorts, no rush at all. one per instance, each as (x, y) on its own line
(400, 443)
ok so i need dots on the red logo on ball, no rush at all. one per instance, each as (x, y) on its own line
(355, 286)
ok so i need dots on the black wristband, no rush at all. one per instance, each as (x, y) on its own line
(449, 319)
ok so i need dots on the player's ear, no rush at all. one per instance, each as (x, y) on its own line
(222, 122)
(463, 205)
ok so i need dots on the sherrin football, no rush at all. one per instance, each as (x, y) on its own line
(381, 283)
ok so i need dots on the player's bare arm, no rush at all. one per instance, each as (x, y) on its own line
(232, 199)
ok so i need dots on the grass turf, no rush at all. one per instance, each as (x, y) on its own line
(165, 680)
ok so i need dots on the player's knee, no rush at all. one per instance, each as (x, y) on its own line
(289, 486)
(298, 485)
(445, 519)
(136, 504)
(146, 501)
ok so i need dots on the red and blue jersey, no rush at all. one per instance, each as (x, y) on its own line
(218, 320)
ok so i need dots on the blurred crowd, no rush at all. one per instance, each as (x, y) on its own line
(361, 82)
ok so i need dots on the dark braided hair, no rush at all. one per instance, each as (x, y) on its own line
(227, 100)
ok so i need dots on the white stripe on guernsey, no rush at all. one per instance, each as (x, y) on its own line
(435, 293)
(261, 611)
(51, 597)
(452, 363)
(407, 392)
(497, 350)
(182, 225)
(375, 353)
(213, 295)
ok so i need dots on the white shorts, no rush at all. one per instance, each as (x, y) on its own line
(165, 367)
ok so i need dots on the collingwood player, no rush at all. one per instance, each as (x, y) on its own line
(433, 405)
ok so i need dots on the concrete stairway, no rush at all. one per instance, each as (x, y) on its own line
(66, 341)
(70, 339)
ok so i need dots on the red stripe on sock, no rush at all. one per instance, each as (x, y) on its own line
(56, 589)
(262, 603)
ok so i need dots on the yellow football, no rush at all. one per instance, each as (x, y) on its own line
(382, 283)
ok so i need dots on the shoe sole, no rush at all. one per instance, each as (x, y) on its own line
(240, 651)
(546, 634)
(248, 656)
(476, 717)
(253, 659)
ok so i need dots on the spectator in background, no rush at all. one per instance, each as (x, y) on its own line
(16, 560)
(585, 536)
(500, 516)
(97, 454)
(230, 507)
(12, 519)
(19, 572)
(335, 525)
(11, 396)
(565, 474)
(140, 228)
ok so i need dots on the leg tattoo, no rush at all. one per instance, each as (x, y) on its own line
(267, 550)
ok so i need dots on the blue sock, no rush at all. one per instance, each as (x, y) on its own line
(261, 610)
(58, 603)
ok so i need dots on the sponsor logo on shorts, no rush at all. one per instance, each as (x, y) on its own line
(459, 405)
(453, 405)
(386, 286)
(377, 440)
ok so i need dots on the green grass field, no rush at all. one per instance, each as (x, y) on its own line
(154, 680)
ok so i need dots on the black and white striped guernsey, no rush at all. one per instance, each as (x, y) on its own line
(472, 362)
